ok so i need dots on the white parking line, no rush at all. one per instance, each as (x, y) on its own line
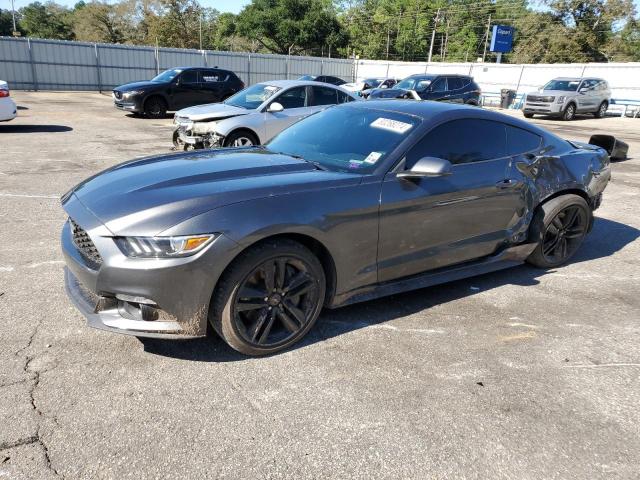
(20, 195)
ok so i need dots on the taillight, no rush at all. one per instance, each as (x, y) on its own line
(4, 93)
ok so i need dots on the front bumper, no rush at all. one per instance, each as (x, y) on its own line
(543, 108)
(127, 106)
(114, 294)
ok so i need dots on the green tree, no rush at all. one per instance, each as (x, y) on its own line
(48, 20)
(100, 22)
(283, 26)
(6, 23)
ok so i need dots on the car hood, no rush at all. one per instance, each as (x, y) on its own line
(147, 196)
(211, 111)
(388, 92)
(551, 93)
(127, 87)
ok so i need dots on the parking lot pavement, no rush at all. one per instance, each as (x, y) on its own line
(521, 374)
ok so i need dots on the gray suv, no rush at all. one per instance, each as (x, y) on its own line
(564, 97)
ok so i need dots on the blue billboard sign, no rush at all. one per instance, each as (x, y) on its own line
(502, 39)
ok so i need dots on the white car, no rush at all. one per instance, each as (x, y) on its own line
(8, 109)
(369, 84)
(254, 115)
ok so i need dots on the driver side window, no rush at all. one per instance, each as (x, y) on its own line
(461, 141)
(293, 98)
(189, 77)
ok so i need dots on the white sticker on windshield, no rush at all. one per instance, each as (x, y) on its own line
(373, 157)
(391, 125)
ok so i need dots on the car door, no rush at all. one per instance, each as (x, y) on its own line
(186, 90)
(433, 222)
(587, 96)
(437, 90)
(455, 90)
(295, 103)
(212, 83)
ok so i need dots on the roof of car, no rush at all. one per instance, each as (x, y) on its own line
(435, 111)
(199, 68)
(297, 83)
(576, 79)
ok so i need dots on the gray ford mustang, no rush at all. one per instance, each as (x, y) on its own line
(358, 201)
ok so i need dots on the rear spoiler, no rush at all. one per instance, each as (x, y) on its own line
(616, 149)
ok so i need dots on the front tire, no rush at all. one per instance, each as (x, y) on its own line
(155, 107)
(559, 227)
(569, 112)
(269, 298)
(241, 139)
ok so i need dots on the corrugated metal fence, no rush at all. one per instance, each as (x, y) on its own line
(624, 78)
(33, 64)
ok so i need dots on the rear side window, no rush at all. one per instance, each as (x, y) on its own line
(454, 83)
(324, 96)
(462, 141)
(212, 76)
(439, 85)
(521, 141)
(189, 76)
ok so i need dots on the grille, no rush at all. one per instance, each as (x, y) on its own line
(84, 244)
(538, 98)
(117, 94)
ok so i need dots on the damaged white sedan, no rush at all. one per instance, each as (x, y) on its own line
(254, 115)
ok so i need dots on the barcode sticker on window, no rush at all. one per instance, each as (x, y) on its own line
(391, 125)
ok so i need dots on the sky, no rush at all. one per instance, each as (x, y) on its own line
(233, 6)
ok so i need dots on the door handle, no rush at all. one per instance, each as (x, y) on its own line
(506, 183)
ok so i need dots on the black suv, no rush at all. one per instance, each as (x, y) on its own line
(442, 88)
(175, 89)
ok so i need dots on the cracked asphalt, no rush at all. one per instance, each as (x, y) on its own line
(519, 374)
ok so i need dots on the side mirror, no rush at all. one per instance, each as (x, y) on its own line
(583, 90)
(275, 107)
(428, 167)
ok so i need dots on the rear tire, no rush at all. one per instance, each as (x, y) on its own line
(269, 298)
(559, 226)
(155, 107)
(602, 110)
(241, 138)
(569, 112)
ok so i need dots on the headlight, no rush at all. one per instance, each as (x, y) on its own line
(561, 99)
(163, 247)
(132, 93)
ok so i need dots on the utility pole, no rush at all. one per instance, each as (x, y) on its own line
(486, 39)
(388, 36)
(433, 34)
(446, 39)
(201, 30)
(13, 15)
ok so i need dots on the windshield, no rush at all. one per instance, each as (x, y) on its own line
(252, 97)
(414, 83)
(373, 82)
(345, 138)
(564, 85)
(167, 75)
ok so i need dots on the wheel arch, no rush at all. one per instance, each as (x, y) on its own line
(155, 95)
(568, 191)
(243, 129)
(313, 244)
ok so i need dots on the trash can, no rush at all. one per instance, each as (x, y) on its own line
(507, 97)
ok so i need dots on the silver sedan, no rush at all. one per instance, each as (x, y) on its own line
(254, 115)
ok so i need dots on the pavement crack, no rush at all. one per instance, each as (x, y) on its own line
(17, 443)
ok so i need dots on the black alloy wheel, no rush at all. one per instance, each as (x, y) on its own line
(559, 228)
(564, 234)
(155, 107)
(276, 302)
(602, 110)
(269, 298)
